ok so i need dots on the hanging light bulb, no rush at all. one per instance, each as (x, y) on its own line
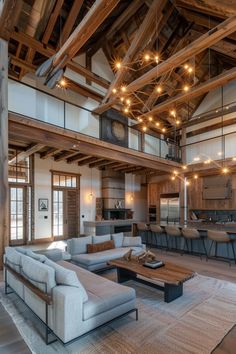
(177, 122)
(186, 66)
(157, 124)
(62, 83)
(184, 167)
(186, 88)
(144, 128)
(187, 183)
(225, 170)
(128, 101)
(114, 90)
(195, 176)
(146, 57)
(173, 178)
(123, 88)
(173, 112)
(126, 109)
(190, 70)
(118, 65)
(163, 130)
(122, 99)
(156, 59)
(150, 118)
(159, 89)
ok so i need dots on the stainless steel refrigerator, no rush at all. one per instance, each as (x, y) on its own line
(170, 210)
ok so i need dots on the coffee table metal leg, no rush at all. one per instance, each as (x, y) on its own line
(122, 275)
(172, 292)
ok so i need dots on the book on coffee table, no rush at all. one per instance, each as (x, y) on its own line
(154, 264)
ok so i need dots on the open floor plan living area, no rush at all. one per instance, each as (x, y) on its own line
(117, 177)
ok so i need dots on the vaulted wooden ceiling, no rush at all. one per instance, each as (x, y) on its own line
(178, 32)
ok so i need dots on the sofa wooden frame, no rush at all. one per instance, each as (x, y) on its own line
(47, 299)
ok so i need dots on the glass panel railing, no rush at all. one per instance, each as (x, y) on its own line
(34, 103)
(209, 150)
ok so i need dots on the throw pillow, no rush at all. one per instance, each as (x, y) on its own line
(39, 274)
(79, 245)
(118, 239)
(132, 241)
(37, 257)
(103, 238)
(99, 247)
(67, 277)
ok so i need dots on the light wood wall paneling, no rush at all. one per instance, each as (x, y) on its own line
(4, 221)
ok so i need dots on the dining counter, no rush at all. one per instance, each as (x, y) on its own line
(202, 227)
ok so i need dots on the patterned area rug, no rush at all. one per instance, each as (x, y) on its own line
(192, 324)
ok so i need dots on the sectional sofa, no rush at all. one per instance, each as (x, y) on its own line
(77, 247)
(70, 300)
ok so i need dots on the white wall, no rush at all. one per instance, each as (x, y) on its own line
(43, 190)
(213, 148)
(135, 187)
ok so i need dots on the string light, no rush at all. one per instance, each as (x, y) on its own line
(173, 113)
(157, 124)
(187, 183)
(159, 89)
(173, 178)
(163, 130)
(184, 167)
(128, 101)
(186, 66)
(146, 57)
(118, 65)
(126, 110)
(140, 119)
(225, 170)
(156, 59)
(123, 88)
(144, 128)
(234, 158)
(178, 122)
(114, 90)
(62, 83)
(150, 119)
(186, 88)
(175, 172)
(190, 70)
(122, 99)
(195, 176)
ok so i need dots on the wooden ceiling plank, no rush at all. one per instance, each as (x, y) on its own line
(88, 160)
(9, 17)
(211, 84)
(71, 18)
(76, 157)
(24, 154)
(64, 155)
(205, 41)
(140, 37)
(123, 18)
(52, 21)
(217, 8)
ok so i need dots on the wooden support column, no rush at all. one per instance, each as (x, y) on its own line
(4, 220)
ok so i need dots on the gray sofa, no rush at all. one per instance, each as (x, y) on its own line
(80, 300)
(77, 247)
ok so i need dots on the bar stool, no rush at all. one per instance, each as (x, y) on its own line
(220, 237)
(156, 231)
(172, 232)
(144, 230)
(192, 234)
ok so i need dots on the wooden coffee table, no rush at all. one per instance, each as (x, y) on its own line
(170, 275)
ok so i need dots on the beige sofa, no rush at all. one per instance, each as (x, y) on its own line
(80, 300)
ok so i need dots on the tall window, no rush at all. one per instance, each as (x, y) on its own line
(65, 204)
(20, 200)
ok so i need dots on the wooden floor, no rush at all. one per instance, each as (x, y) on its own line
(12, 342)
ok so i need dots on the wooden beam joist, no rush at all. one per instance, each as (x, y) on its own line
(201, 89)
(24, 154)
(48, 153)
(77, 157)
(88, 160)
(64, 155)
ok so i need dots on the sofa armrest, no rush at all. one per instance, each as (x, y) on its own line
(67, 312)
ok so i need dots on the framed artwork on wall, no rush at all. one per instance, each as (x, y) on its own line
(43, 204)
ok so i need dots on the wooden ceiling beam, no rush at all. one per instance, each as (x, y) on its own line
(76, 158)
(47, 51)
(9, 16)
(124, 18)
(110, 165)
(70, 20)
(48, 153)
(103, 162)
(24, 154)
(205, 41)
(219, 8)
(64, 155)
(88, 160)
(140, 38)
(202, 20)
(53, 67)
(52, 21)
(201, 89)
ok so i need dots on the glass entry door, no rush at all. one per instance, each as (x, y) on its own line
(18, 212)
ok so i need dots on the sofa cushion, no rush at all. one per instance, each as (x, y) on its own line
(99, 257)
(37, 257)
(103, 294)
(13, 258)
(132, 241)
(67, 277)
(99, 247)
(22, 250)
(103, 238)
(118, 239)
(55, 254)
(79, 245)
(39, 274)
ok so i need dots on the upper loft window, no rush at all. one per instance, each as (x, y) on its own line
(18, 167)
(64, 180)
